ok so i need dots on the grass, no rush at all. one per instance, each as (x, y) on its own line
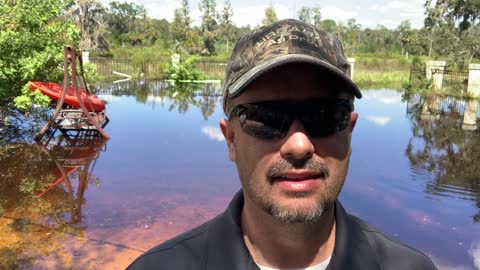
(370, 71)
(375, 79)
(381, 71)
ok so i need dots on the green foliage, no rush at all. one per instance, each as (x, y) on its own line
(418, 82)
(328, 25)
(32, 37)
(185, 71)
(127, 22)
(310, 15)
(225, 27)
(464, 14)
(181, 22)
(381, 79)
(91, 73)
(270, 16)
(305, 14)
(208, 27)
(89, 16)
(28, 98)
(453, 30)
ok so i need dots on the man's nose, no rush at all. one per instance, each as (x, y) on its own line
(297, 144)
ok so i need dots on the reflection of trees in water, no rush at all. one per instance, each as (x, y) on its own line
(181, 95)
(439, 146)
(209, 101)
(37, 213)
(17, 126)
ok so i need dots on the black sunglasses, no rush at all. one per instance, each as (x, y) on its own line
(321, 117)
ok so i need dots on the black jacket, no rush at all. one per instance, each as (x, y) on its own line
(218, 244)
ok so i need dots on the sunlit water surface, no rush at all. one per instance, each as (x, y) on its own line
(414, 174)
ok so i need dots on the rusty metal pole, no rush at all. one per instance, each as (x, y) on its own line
(80, 100)
(67, 59)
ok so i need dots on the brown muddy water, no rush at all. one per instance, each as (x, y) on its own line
(95, 204)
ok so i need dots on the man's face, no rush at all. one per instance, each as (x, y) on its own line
(296, 178)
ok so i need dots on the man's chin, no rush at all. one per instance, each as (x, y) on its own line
(296, 212)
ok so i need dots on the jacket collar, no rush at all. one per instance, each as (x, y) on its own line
(226, 248)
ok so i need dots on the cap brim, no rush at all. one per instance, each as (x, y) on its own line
(241, 83)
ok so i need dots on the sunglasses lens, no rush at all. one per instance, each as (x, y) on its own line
(326, 121)
(272, 120)
(265, 123)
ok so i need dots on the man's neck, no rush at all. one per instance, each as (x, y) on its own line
(279, 245)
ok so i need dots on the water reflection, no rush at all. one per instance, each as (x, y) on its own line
(42, 195)
(74, 157)
(180, 96)
(167, 170)
(445, 147)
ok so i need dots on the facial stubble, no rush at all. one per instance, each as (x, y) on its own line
(300, 212)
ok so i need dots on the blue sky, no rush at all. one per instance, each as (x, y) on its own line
(369, 13)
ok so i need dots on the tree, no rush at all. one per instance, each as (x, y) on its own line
(89, 16)
(316, 16)
(181, 23)
(420, 43)
(351, 37)
(451, 24)
(270, 15)
(305, 15)
(225, 23)
(209, 24)
(405, 34)
(328, 25)
(464, 14)
(32, 37)
(127, 22)
(158, 32)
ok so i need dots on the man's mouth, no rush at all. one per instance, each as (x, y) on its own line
(298, 176)
(298, 181)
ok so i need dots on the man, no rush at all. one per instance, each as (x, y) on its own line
(289, 105)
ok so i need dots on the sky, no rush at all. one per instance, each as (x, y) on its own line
(369, 13)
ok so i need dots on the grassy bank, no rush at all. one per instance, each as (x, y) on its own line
(374, 79)
(373, 71)
(370, 71)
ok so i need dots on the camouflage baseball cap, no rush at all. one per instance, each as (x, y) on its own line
(286, 41)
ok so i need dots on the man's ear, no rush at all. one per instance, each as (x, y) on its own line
(228, 132)
(353, 123)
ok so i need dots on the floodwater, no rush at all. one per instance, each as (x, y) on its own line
(95, 204)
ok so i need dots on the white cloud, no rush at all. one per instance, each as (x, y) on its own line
(160, 9)
(384, 96)
(391, 6)
(109, 98)
(338, 14)
(411, 14)
(379, 120)
(155, 99)
(248, 15)
(251, 12)
(213, 133)
(282, 11)
(475, 253)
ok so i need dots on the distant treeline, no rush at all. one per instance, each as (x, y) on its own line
(451, 29)
(32, 35)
